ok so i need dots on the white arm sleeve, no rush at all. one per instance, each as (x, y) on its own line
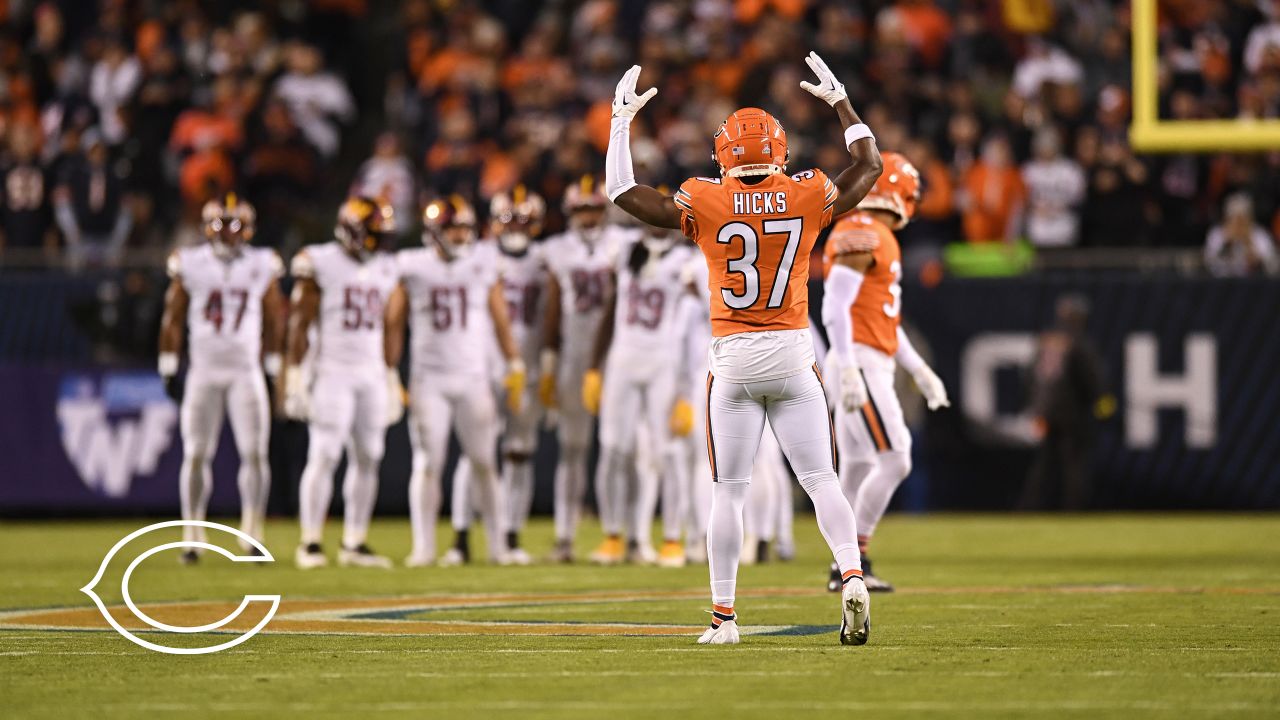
(619, 176)
(839, 293)
(907, 356)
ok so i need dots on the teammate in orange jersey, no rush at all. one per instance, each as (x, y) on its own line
(756, 227)
(862, 310)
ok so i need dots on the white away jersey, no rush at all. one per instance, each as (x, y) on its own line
(524, 284)
(648, 314)
(584, 271)
(451, 328)
(353, 298)
(224, 314)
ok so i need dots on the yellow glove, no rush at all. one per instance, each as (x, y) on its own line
(592, 387)
(681, 418)
(514, 382)
(547, 379)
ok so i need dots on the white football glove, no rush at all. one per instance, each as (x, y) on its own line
(931, 387)
(828, 89)
(626, 103)
(395, 397)
(853, 389)
(297, 400)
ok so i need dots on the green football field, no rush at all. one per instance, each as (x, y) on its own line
(997, 616)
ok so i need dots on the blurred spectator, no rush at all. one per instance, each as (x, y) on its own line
(993, 195)
(280, 174)
(389, 175)
(1055, 189)
(26, 218)
(90, 209)
(1067, 399)
(111, 86)
(318, 100)
(1239, 247)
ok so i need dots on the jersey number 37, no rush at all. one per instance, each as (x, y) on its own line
(746, 264)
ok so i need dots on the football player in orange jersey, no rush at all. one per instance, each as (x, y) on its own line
(862, 311)
(756, 226)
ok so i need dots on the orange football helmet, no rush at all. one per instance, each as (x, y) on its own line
(897, 191)
(751, 142)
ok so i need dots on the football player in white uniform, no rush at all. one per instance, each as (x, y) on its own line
(343, 287)
(516, 221)
(580, 264)
(227, 295)
(638, 386)
(452, 290)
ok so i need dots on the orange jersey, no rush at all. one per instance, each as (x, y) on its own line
(878, 309)
(756, 240)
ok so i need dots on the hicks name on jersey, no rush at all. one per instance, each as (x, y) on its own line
(759, 203)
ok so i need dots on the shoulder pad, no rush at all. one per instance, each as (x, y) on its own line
(302, 265)
(173, 265)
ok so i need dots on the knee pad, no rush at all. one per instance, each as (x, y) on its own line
(812, 482)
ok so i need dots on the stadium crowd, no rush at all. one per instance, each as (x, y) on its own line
(121, 118)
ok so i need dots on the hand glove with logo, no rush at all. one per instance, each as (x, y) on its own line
(395, 397)
(828, 89)
(853, 389)
(297, 398)
(626, 103)
(514, 383)
(547, 379)
(592, 388)
(167, 367)
(931, 387)
(681, 418)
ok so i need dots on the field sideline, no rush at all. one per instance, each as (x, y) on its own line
(999, 616)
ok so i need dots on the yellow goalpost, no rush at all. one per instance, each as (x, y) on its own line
(1149, 134)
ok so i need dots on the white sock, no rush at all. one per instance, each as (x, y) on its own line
(195, 485)
(674, 479)
(254, 482)
(835, 520)
(460, 502)
(359, 493)
(615, 468)
(571, 483)
(315, 492)
(517, 476)
(424, 506)
(724, 538)
(877, 489)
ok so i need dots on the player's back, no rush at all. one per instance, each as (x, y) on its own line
(757, 238)
(646, 319)
(583, 269)
(876, 312)
(353, 296)
(224, 315)
(449, 307)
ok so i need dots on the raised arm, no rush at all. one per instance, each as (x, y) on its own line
(640, 201)
(857, 179)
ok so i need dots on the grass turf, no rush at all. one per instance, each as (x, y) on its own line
(999, 616)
